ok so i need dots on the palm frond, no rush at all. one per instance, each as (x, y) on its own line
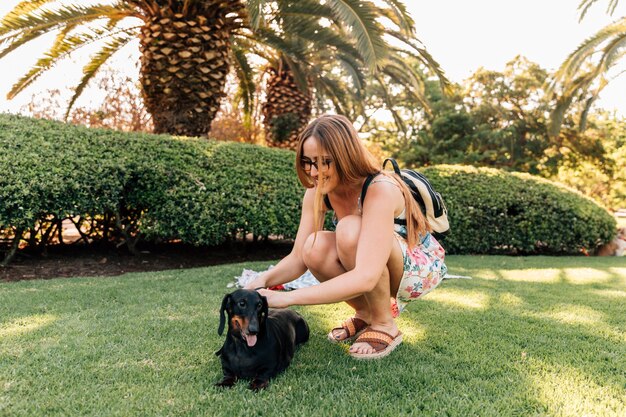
(50, 19)
(401, 16)
(403, 75)
(254, 11)
(64, 45)
(280, 44)
(390, 105)
(353, 69)
(300, 9)
(27, 6)
(245, 74)
(299, 74)
(584, 6)
(333, 90)
(111, 47)
(19, 40)
(588, 47)
(422, 55)
(360, 17)
(321, 38)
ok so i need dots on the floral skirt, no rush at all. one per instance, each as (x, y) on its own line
(424, 268)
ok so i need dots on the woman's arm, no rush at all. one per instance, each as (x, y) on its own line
(292, 265)
(373, 251)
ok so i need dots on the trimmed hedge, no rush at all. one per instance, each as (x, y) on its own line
(497, 212)
(127, 187)
(124, 188)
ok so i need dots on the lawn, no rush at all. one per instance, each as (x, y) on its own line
(525, 336)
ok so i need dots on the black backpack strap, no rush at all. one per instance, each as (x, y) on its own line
(396, 168)
(327, 202)
(369, 179)
(366, 184)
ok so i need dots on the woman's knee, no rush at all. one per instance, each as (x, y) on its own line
(347, 236)
(317, 249)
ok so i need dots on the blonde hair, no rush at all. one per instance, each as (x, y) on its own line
(352, 162)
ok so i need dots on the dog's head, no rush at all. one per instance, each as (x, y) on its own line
(247, 311)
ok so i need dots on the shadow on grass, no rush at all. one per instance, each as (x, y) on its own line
(519, 338)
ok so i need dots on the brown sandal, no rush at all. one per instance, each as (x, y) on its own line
(383, 343)
(353, 327)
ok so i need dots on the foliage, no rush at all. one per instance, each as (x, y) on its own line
(605, 183)
(124, 187)
(122, 107)
(283, 125)
(492, 211)
(588, 69)
(497, 119)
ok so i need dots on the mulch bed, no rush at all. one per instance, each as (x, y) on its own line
(85, 261)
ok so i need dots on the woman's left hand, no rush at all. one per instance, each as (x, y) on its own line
(275, 299)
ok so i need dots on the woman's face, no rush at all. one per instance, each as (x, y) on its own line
(319, 166)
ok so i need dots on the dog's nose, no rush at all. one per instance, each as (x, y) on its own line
(253, 327)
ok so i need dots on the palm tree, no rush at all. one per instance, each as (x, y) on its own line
(185, 49)
(584, 73)
(187, 46)
(315, 46)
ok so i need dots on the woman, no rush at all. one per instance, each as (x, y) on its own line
(368, 258)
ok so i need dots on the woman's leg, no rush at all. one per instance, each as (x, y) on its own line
(377, 300)
(323, 260)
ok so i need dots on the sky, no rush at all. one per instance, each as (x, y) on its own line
(462, 36)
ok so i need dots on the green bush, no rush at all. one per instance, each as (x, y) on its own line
(493, 211)
(125, 188)
(138, 186)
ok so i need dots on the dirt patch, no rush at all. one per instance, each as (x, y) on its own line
(85, 261)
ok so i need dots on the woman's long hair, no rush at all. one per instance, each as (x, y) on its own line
(352, 162)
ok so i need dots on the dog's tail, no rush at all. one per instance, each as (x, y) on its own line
(302, 331)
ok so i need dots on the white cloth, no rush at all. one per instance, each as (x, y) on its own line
(305, 280)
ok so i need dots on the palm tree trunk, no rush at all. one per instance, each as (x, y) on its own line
(184, 63)
(287, 109)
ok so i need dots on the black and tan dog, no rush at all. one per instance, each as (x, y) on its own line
(260, 343)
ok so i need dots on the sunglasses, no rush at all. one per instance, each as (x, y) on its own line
(307, 164)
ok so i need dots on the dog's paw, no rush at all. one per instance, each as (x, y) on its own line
(258, 384)
(227, 382)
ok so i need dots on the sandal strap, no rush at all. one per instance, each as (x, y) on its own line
(352, 326)
(377, 339)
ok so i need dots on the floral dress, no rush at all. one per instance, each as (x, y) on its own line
(424, 267)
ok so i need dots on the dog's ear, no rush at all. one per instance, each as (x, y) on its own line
(225, 304)
(264, 308)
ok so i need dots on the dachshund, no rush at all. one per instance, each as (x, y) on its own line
(260, 343)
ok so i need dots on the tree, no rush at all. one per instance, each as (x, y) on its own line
(187, 46)
(321, 65)
(185, 49)
(498, 119)
(585, 72)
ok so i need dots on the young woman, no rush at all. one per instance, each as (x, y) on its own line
(368, 258)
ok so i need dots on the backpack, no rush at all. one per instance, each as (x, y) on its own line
(429, 200)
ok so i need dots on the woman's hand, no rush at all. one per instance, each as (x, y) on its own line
(276, 299)
(258, 282)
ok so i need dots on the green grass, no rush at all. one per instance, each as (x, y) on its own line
(526, 336)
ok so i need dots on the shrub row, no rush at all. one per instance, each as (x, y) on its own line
(138, 186)
(497, 212)
(130, 187)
